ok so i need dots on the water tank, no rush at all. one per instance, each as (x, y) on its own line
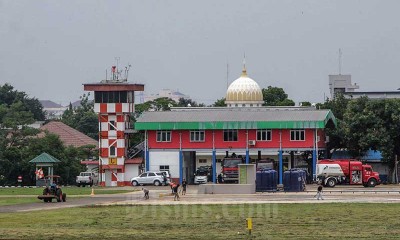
(266, 180)
(294, 180)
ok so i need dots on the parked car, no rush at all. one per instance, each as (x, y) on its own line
(201, 175)
(149, 178)
(86, 178)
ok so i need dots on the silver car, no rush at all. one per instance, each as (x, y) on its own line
(149, 178)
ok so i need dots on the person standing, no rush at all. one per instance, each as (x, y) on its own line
(319, 193)
(184, 183)
(146, 193)
(175, 190)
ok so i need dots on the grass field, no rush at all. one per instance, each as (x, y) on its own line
(67, 190)
(29, 195)
(270, 221)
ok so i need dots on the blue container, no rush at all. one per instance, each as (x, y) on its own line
(266, 180)
(294, 180)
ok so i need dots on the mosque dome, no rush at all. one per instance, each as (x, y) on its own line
(244, 92)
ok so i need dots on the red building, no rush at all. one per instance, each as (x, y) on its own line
(183, 139)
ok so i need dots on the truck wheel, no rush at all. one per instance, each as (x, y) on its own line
(135, 183)
(372, 182)
(331, 182)
(64, 197)
(58, 199)
(157, 183)
(44, 199)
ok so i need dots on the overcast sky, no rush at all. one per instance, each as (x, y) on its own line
(50, 48)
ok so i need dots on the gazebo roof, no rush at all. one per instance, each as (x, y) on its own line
(44, 158)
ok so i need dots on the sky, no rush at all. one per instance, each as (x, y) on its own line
(48, 49)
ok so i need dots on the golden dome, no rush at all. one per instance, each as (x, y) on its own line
(244, 91)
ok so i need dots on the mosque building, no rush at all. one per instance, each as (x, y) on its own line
(185, 138)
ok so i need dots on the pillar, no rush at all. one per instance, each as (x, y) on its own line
(214, 167)
(280, 156)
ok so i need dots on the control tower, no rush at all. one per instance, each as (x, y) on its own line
(114, 104)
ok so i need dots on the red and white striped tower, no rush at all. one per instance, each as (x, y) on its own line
(114, 104)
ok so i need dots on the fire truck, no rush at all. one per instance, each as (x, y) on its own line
(230, 169)
(346, 171)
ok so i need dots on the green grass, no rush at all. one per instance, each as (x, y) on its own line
(16, 200)
(270, 221)
(67, 190)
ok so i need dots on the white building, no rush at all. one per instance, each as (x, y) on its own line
(174, 95)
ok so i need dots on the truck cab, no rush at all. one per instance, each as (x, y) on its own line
(230, 169)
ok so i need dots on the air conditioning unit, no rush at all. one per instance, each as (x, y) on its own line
(252, 142)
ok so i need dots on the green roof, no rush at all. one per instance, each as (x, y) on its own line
(44, 158)
(235, 118)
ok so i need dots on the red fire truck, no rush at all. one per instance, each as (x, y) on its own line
(346, 171)
(230, 169)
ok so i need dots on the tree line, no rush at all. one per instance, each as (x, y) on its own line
(19, 143)
(362, 124)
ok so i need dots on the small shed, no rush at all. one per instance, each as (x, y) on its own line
(42, 161)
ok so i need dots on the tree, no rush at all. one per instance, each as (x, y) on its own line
(188, 102)
(220, 103)
(82, 118)
(305, 104)
(338, 106)
(274, 96)
(9, 96)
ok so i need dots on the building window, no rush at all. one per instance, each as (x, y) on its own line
(202, 160)
(112, 125)
(197, 136)
(111, 97)
(163, 136)
(264, 135)
(297, 135)
(112, 151)
(164, 168)
(230, 135)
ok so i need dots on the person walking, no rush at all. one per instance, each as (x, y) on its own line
(146, 193)
(319, 193)
(175, 190)
(184, 183)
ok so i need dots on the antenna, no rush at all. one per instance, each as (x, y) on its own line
(244, 60)
(340, 61)
(227, 74)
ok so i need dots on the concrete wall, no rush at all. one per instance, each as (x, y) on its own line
(170, 158)
(227, 189)
(131, 170)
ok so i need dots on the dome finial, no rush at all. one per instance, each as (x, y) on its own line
(244, 72)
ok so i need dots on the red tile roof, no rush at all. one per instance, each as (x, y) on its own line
(68, 135)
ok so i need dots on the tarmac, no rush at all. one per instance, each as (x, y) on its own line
(162, 196)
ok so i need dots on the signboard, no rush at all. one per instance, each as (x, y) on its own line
(112, 161)
(242, 174)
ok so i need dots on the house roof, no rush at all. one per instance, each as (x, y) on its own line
(68, 135)
(44, 158)
(49, 104)
(235, 118)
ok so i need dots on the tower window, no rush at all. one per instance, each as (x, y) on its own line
(112, 151)
(112, 125)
